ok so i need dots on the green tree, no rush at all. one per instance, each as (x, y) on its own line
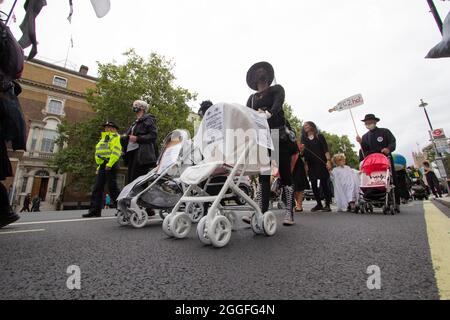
(293, 120)
(151, 80)
(341, 144)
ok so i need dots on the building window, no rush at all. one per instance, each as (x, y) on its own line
(55, 185)
(48, 140)
(121, 181)
(24, 185)
(55, 107)
(59, 82)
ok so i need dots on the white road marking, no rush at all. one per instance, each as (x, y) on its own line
(22, 231)
(60, 221)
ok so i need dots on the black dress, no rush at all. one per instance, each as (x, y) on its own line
(301, 182)
(315, 157)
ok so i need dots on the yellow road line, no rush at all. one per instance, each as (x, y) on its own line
(438, 229)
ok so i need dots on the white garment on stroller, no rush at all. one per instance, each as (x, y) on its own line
(223, 136)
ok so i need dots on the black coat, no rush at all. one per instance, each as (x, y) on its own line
(12, 127)
(146, 131)
(376, 140)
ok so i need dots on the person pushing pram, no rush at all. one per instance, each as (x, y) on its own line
(379, 140)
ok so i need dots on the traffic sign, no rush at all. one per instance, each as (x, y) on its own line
(438, 134)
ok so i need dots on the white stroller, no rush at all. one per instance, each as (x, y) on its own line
(160, 189)
(233, 140)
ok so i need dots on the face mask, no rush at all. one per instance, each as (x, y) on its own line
(136, 109)
(371, 126)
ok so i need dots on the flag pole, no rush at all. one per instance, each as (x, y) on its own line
(10, 12)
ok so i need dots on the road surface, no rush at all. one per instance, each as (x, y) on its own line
(324, 256)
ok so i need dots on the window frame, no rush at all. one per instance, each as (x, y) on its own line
(62, 78)
(47, 110)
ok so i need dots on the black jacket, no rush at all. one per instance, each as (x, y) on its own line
(376, 140)
(12, 127)
(272, 100)
(146, 131)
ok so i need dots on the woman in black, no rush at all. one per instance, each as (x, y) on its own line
(140, 143)
(318, 158)
(269, 100)
(301, 182)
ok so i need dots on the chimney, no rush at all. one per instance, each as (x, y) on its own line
(84, 70)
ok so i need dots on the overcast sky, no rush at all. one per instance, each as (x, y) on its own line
(322, 51)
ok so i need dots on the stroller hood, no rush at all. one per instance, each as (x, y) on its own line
(374, 163)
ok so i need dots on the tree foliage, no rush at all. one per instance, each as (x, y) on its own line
(151, 80)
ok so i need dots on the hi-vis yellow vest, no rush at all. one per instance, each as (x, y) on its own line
(108, 149)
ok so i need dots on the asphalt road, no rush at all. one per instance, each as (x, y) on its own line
(324, 256)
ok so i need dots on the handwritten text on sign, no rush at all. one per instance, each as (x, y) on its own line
(349, 103)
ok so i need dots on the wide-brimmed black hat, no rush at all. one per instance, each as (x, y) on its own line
(111, 124)
(370, 117)
(252, 81)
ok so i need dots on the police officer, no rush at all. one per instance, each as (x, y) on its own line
(107, 155)
(379, 140)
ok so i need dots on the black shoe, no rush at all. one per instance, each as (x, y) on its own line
(4, 221)
(92, 215)
(326, 209)
(317, 208)
(150, 212)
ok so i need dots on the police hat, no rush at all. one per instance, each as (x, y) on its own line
(111, 124)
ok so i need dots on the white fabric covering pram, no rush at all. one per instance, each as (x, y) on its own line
(226, 132)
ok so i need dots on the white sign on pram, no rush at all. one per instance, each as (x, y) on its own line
(169, 158)
(214, 125)
(263, 136)
(374, 180)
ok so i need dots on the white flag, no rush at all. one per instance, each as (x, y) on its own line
(101, 7)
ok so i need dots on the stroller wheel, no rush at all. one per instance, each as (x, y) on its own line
(180, 225)
(219, 231)
(139, 221)
(166, 225)
(195, 211)
(202, 232)
(122, 218)
(256, 226)
(269, 223)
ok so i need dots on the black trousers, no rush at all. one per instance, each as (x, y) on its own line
(5, 209)
(135, 170)
(318, 184)
(104, 177)
(284, 168)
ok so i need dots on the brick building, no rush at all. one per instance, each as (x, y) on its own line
(50, 95)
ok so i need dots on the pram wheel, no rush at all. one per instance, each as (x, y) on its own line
(139, 220)
(219, 231)
(180, 225)
(202, 232)
(195, 211)
(256, 226)
(122, 219)
(166, 225)
(269, 223)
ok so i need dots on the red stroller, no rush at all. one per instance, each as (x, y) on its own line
(377, 187)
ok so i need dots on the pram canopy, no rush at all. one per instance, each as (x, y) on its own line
(375, 162)
(226, 132)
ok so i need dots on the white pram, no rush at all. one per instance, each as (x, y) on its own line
(160, 189)
(233, 140)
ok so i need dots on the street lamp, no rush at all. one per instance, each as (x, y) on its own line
(438, 155)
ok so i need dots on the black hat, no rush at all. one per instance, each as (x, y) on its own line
(370, 117)
(204, 106)
(111, 124)
(251, 74)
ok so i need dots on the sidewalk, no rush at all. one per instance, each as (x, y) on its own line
(445, 201)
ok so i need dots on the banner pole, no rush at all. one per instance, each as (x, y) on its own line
(354, 123)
